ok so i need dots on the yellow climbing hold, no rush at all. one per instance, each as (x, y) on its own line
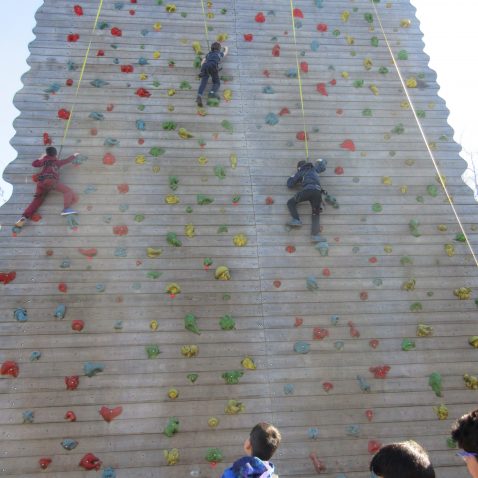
(248, 362)
(387, 180)
(349, 39)
(374, 89)
(189, 350)
(234, 407)
(450, 250)
(233, 160)
(405, 105)
(170, 7)
(184, 133)
(197, 47)
(240, 240)
(463, 293)
(153, 252)
(424, 330)
(442, 227)
(222, 273)
(367, 63)
(202, 160)
(143, 76)
(388, 248)
(171, 456)
(345, 75)
(140, 159)
(409, 285)
(156, 169)
(173, 393)
(171, 108)
(473, 341)
(227, 95)
(222, 37)
(189, 230)
(153, 325)
(404, 189)
(171, 92)
(443, 179)
(157, 27)
(411, 82)
(405, 23)
(471, 381)
(173, 288)
(345, 15)
(171, 199)
(156, 54)
(441, 411)
(213, 422)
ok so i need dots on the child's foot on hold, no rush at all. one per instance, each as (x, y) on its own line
(67, 211)
(21, 222)
(199, 101)
(213, 95)
(295, 223)
(318, 238)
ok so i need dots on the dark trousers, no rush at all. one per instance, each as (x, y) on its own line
(209, 70)
(42, 190)
(314, 196)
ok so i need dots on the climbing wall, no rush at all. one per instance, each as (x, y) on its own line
(147, 334)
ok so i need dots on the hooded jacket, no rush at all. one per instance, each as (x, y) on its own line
(51, 166)
(308, 175)
(249, 467)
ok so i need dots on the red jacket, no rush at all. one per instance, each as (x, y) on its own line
(51, 166)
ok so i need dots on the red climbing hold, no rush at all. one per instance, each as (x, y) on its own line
(284, 111)
(132, 12)
(90, 462)
(10, 368)
(374, 343)
(7, 277)
(369, 415)
(78, 10)
(93, 131)
(290, 249)
(364, 295)
(49, 253)
(127, 68)
(116, 32)
(298, 321)
(110, 107)
(326, 272)
(266, 73)
(304, 67)
(72, 382)
(327, 386)
(339, 111)
(339, 170)
(353, 330)
(70, 416)
(373, 260)
(301, 135)
(276, 50)
(62, 287)
(110, 414)
(122, 188)
(260, 18)
(374, 446)
(120, 230)
(46, 139)
(348, 144)
(73, 37)
(380, 371)
(320, 334)
(77, 325)
(63, 114)
(322, 89)
(322, 27)
(248, 37)
(88, 252)
(44, 463)
(109, 159)
(143, 93)
(298, 13)
(277, 283)
(333, 82)
(69, 82)
(269, 201)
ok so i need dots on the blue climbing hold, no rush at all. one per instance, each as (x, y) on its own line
(98, 83)
(93, 368)
(111, 142)
(34, 356)
(272, 119)
(143, 61)
(140, 125)
(363, 384)
(314, 45)
(301, 347)
(353, 430)
(108, 473)
(69, 444)
(28, 416)
(313, 433)
(96, 116)
(288, 389)
(268, 90)
(312, 283)
(60, 311)
(21, 315)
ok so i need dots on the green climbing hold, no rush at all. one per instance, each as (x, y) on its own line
(156, 151)
(374, 41)
(377, 207)
(227, 322)
(213, 101)
(413, 226)
(416, 307)
(222, 229)
(450, 443)
(407, 345)
(460, 237)
(173, 240)
(189, 209)
(152, 351)
(432, 190)
(367, 112)
(358, 83)
(185, 85)
(383, 70)
(403, 55)
(173, 182)
(169, 125)
(172, 427)
(213, 455)
(154, 274)
(398, 129)
(219, 172)
(435, 382)
(368, 17)
(406, 261)
(192, 377)
(421, 114)
(190, 323)
(139, 217)
(232, 377)
(227, 125)
(202, 199)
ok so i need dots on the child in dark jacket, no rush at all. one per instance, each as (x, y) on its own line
(49, 180)
(262, 443)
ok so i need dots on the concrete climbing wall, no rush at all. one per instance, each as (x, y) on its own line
(118, 340)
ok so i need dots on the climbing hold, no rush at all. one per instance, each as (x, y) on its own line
(173, 393)
(222, 273)
(173, 289)
(152, 351)
(413, 227)
(202, 199)
(171, 199)
(69, 444)
(116, 32)
(409, 285)
(311, 283)
(34, 356)
(90, 462)
(28, 416)
(248, 363)
(441, 412)
(72, 382)
(227, 322)
(192, 377)
(78, 10)
(120, 230)
(301, 347)
(471, 382)
(97, 83)
(373, 446)
(72, 37)
(407, 345)
(240, 240)
(374, 343)
(271, 119)
(213, 422)
(92, 368)
(143, 93)
(190, 323)
(173, 240)
(424, 330)
(416, 307)
(44, 463)
(327, 386)
(109, 159)
(435, 382)
(110, 414)
(10, 368)
(77, 325)
(463, 293)
(189, 350)
(260, 18)
(233, 407)
(63, 114)
(348, 145)
(473, 341)
(108, 473)
(227, 125)
(70, 416)
(153, 252)
(20, 315)
(313, 433)
(213, 455)
(354, 332)
(353, 430)
(219, 171)
(380, 371)
(232, 377)
(369, 415)
(171, 456)
(319, 466)
(363, 384)
(87, 253)
(319, 333)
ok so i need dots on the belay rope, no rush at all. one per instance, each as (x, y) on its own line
(205, 23)
(83, 67)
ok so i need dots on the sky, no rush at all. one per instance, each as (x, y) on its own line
(450, 36)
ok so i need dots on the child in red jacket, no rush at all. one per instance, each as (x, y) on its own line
(49, 180)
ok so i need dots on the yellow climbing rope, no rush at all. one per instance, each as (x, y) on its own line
(430, 152)
(83, 67)
(205, 23)
(306, 141)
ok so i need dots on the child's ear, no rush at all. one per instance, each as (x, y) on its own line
(248, 446)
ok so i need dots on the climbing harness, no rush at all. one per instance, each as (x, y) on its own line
(306, 143)
(83, 67)
(412, 107)
(205, 24)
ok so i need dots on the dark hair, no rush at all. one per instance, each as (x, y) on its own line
(402, 460)
(216, 46)
(51, 151)
(301, 163)
(265, 439)
(465, 431)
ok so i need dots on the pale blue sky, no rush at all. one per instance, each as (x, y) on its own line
(451, 39)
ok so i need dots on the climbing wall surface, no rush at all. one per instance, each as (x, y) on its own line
(157, 326)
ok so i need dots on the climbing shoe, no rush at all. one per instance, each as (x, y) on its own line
(199, 101)
(68, 211)
(213, 95)
(295, 223)
(21, 222)
(318, 238)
